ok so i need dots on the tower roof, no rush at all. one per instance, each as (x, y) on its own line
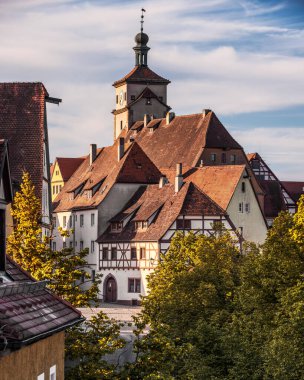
(141, 74)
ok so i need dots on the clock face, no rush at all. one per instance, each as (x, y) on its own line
(121, 97)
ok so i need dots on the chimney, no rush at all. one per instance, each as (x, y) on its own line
(178, 177)
(162, 181)
(205, 112)
(121, 148)
(93, 150)
(201, 163)
(169, 117)
(147, 119)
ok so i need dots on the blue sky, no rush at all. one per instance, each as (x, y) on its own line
(244, 59)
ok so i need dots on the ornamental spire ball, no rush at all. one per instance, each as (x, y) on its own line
(141, 49)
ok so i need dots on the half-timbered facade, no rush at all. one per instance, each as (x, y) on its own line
(277, 195)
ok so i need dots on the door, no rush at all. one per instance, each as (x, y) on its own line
(111, 290)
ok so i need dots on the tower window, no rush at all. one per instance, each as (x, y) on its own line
(116, 99)
(125, 96)
(120, 124)
(148, 101)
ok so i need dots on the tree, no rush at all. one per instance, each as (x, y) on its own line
(88, 344)
(25, 244)
(188, 307)
(67, 274)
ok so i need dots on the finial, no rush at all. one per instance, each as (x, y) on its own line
(142, 19)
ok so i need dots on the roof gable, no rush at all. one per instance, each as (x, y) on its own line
(68, 165)
(22, 118)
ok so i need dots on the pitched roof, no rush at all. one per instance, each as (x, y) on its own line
(185, 138)
(134, 167)
(141, 74)
(274, 201)
(68, 165)
(188, 201)
(294, 189)
(22, 118)
(218, 182)
(29, 311)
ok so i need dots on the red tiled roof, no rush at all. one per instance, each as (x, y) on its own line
(68, 165)
(185, 138)
(294, 189)
(253, 156)
(141, 74)
(29, 311)
(188, 201)
(22, 118)
(134, 167)
(218, 182)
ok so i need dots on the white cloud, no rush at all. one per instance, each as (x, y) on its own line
(208, 49)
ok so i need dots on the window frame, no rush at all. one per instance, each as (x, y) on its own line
(132, 256)
(142, 253)
(134, 285)
(81, 220)
(113, 249)
(105, 253)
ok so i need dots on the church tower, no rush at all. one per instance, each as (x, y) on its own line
(140, 92)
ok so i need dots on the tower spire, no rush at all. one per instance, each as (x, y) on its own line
(142, 20)
(141, 49)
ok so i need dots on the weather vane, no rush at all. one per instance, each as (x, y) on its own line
(142, 19)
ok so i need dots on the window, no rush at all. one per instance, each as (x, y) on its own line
(125, 96)
(148, 101)
(53, 189)
(116, 99)
(41, 377)
(141, 225)
(233, 159)
(92, 246)
(134, 285)
(243, 187)
(53, 372)
(71, 244)
(64, 221)
(241, 207)
(71, 221)
(120, 124)
(81, 245)
(223, 158)
(113, 253)
(213, 157)
(92, 219)
(255, 164)
(133, 253)
(93, 275)
(105, 251)
(142, 253)
(57, 172)
(81, 220)
(183, 224)
(60, 187)
(64, 244)
(54, 221)
(56, 189)
(247, 207)
(54, 246)
(116, 227)
(132, 97)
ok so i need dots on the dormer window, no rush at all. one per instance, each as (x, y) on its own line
(148, 101)
(141, 225)
(71, 196)
(87, 194)
(116, 227)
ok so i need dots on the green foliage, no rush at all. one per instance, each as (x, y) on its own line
(25, 244)
(86, 346)
(214, 313)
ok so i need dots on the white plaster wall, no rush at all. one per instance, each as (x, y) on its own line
(254, 227)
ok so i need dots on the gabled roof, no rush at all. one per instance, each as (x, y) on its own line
(29, 311)
(68, 165)
(148, 93)
(294, 189)
(22, 121)
(5, 175)
(141, 74)
(274, 202)
(188, 201)
(185, 138)
(134, 167)
(218, 182)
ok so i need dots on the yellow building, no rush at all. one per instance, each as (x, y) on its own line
(61, 171)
